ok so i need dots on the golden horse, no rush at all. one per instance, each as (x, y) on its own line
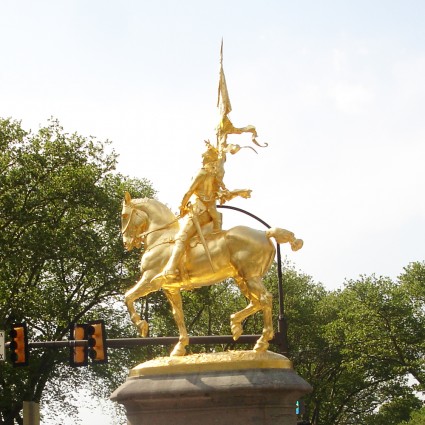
(241, 253)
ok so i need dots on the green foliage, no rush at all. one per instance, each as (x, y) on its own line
(416, 418)
(383, 327)
(396, 411)
(61, 256)
(367, 343)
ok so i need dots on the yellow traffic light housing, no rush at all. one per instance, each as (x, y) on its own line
(96, 341)
(19, 345)
(78, 354)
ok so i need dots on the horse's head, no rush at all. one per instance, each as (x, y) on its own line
(133, 223)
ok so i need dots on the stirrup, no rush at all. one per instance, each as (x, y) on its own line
(167, 276)
(171, 274)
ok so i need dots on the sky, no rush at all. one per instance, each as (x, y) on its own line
(336, 89)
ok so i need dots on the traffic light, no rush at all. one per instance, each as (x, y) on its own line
(78, 354)
(19, 345)
(96, 341)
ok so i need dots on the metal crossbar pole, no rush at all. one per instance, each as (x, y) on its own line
(133, 342)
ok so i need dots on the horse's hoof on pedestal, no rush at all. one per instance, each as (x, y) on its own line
(261, 346)
(179, 350)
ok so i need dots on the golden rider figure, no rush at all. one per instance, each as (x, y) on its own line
(198, 206)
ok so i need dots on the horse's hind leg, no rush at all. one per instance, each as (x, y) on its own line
(268, 333)
(175, 299)
(236, 319)
(260, 299)
(142, 288)
(265, 298)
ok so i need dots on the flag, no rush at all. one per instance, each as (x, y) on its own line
(223, 101)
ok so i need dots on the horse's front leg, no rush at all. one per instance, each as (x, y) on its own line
(175, 299)
(142, 288)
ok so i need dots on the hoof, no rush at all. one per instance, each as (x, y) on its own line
(261, 346)
(237, 330)
(179, 350)
(143, 327)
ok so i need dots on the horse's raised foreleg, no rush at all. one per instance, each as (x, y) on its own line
(175, 299)
(142, 288)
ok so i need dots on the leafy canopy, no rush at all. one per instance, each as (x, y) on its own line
(61, 256)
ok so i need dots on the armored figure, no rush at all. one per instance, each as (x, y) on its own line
(198, 206)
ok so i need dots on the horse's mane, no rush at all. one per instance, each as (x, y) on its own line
(153, 207)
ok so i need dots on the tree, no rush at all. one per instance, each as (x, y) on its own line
(358, 346)
(61, 256)
(417, 418)
(378, 332)
(396, 411)
(384, 327)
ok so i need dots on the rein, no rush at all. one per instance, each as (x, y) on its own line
(166, 241)
(143, 235)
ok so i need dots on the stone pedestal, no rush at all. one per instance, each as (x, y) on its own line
(235, 387)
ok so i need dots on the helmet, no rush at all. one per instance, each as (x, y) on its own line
(211, 154)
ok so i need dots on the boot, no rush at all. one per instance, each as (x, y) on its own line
(217, 221)
(171, 270)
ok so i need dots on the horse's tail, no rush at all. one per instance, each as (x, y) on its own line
(283, 236)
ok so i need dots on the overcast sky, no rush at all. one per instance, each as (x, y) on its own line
(336, 88)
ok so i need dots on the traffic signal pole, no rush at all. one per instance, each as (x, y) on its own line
(134, 342)
(31, 413)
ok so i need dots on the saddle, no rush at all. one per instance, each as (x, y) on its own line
(194, 242)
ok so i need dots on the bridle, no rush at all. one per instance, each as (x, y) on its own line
(132, 210)
(144, 234)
